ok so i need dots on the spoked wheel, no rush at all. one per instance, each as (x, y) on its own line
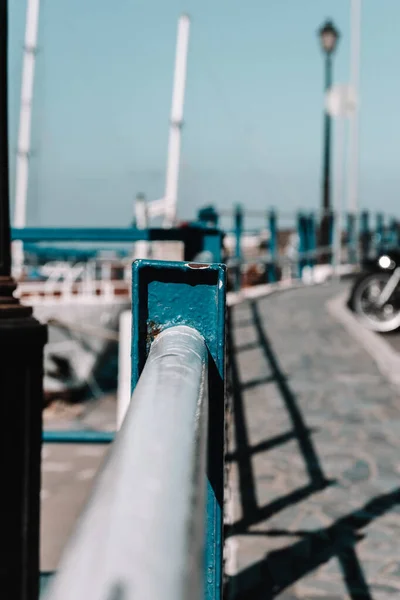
(364, 301)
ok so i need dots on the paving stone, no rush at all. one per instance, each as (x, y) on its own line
(326, 472)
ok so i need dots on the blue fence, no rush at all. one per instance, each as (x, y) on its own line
(159, 500)
(357, 239)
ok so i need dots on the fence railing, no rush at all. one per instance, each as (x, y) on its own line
(345, 239)
(153, 527)
(195, 237)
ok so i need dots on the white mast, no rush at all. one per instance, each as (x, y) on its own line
(24, 135)
(174, 142)
(355, 43)
(340, 143)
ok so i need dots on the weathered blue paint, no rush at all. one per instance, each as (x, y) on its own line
(165, 294)
(273, 246)
(351, 238)
(72, 436)
(238, 245)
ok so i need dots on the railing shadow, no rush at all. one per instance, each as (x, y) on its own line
(252, 513)
(280, 569)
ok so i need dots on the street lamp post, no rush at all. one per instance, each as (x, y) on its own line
(22, 340)
(329, 36)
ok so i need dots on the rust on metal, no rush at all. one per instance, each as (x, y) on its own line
(197, 265)
(153, 330)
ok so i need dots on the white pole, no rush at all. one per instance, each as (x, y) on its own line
(355, 44)
(338, 189)
(174, 142)
(124, 366)
(24, 135)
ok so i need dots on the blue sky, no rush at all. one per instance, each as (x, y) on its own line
(253, 110)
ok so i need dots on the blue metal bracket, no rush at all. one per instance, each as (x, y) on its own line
(165, 294)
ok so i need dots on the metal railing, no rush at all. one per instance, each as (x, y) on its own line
(153, 527)
(348, 240)
(143, 532)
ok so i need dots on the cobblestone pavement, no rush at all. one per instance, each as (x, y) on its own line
(315, 458)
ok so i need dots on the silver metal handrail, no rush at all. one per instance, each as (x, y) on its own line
(142, 533)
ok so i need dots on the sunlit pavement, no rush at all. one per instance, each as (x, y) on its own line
(315, 457)
(68, 472)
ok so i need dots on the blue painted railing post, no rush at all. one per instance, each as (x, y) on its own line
(351, 238)
(273, 247)
(380, 233)
(311, 239)
(165, 294)
(302, 233)
(365, 235)
(238, 245)
(202, 243)
(393, 233)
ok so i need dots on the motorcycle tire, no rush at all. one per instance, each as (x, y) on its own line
(385, 325)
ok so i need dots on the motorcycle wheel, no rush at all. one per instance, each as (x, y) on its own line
(363, 301)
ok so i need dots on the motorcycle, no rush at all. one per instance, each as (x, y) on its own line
(375, 295)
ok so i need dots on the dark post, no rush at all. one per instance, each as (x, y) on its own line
(365, 236)
(238, 245)
(328, 36)
(22, 339)
(351, 238)
(326, 163)
(273, 247)
(303, 249)
(311, 240)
